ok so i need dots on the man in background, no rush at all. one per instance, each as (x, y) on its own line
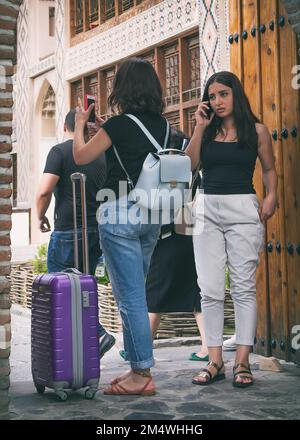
(56, 180)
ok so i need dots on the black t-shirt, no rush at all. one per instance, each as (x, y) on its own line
(132, 146)
(60, 162)
(228, 168)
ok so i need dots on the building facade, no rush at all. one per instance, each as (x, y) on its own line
(17, 13)
(69, 48)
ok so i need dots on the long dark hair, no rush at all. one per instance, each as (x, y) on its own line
(243, 116)
(136, 88)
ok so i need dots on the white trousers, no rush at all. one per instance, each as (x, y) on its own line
(228, 232)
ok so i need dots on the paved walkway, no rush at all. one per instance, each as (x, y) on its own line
(273, 396)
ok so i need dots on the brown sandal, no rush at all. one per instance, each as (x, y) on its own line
(119, 390)
(236, 374)
(207, 373)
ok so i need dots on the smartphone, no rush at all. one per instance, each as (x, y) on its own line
(88, 100)
(208, 112)
(185, 143)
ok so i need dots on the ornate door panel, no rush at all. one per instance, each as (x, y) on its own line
(263, 53)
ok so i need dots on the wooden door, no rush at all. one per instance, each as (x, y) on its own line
(263, 54)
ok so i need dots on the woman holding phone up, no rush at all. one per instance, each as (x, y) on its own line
(227, 139)
(128, 245)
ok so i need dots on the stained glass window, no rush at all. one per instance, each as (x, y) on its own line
(174, 119)
(194, 69)
(93, 11)
(93, 89)
(109, 9)
(78, 16)
(126, 4)
(191, 120)
(172, 75)
(76, 92)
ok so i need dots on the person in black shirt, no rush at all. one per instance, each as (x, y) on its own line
(128, 245)
(227, 139)
(56, 179)
(172, 279)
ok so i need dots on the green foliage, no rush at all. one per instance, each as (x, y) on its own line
(104, 279)
(40, 260)
(227, 282)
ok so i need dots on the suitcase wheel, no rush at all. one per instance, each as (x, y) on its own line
(90, 393)
(62, 395)
(40, 388)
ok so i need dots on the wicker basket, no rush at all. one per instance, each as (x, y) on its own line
(172, 324)
(175, 325)
(108, 310)
(21, 278)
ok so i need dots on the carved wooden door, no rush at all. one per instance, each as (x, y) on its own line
(264, 56)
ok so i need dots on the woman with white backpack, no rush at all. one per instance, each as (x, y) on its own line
(128, 243)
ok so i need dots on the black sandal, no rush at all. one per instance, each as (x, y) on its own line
(247, 370)
(211, 378)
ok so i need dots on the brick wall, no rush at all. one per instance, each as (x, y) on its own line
(9, 10)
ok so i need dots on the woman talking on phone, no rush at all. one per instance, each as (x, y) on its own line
(227, 140)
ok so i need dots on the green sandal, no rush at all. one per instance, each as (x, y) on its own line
(194, 357)
(247, 370)
(207, 373)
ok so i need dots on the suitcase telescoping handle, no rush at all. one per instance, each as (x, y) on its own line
(85, 254)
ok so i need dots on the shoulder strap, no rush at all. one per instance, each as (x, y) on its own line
(148, 134)
(151, 139)
(130, 182)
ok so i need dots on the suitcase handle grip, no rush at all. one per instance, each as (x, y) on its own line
(72, 270)
(85, 254)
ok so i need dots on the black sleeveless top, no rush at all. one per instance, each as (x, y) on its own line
(228, 168)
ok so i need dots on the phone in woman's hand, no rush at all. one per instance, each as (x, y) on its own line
(208, 112)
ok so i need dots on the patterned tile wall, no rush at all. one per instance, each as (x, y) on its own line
(165, 20)
(23, 113)
(213, 35)
(61, 85)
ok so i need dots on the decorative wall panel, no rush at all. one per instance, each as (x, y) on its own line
(213, 35)
(156, 24)
(42, 67)
(22, 105)
(61, 85)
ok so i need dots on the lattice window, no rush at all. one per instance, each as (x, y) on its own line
(48, 110)
(191, 120)
(93, 11)
(76, 92)
(109, 79)
(172, 75)
(92, 85)
(194, 71)
(126, 4)
(174, 119)
(109, 9)
(51, 14)
(78, 16)
(149, 57)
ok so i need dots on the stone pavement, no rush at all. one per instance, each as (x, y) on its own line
(273, 396)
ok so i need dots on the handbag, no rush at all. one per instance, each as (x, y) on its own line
(185, 217)
(164, 177)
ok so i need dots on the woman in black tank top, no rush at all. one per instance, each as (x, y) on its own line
(227, 140)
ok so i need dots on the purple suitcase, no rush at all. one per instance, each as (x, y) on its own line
(64, 326)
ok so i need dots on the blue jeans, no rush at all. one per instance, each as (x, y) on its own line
(128, 248)
(61, 250)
